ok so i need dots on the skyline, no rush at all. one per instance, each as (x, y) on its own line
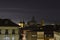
(16, 10)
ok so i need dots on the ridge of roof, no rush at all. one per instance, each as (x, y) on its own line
(7, 22)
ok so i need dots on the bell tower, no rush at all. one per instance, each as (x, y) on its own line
(32, 22)
(42, 22)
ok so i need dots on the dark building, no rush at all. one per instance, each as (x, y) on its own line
(49, 31)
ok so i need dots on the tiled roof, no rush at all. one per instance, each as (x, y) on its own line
(7, 22)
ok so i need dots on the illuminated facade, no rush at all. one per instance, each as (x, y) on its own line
(57, 32)
(33, 32)
(57, 35)
(8, 30)
(36, 31)
(40, 35)
(42, 23)
(31, 35)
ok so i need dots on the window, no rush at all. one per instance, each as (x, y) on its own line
(13, 31)
(6, 37)
(6, 32)
(34, 35)
(0, 31)
(13, 37)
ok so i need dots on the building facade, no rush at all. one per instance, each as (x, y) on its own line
(8, 30)
(57, 32)
(57, 35)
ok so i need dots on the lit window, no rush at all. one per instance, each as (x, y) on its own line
(34, 35)
(13, 37)
(6, 37)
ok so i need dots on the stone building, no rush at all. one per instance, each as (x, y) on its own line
(57, 32)
(8, 30)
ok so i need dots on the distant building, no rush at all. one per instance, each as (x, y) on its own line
(36, 31)
(56, 35)
(57, 32)
(49, 32)
(32, 22)
(33, 33)
(42, 23)
(8, 30)
(27, 33)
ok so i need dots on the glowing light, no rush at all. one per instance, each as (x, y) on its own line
(21, 24)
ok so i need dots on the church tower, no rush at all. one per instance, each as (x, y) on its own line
(32, 22)
(42, 22)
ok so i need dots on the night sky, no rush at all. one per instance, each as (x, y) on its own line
(16, 10)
